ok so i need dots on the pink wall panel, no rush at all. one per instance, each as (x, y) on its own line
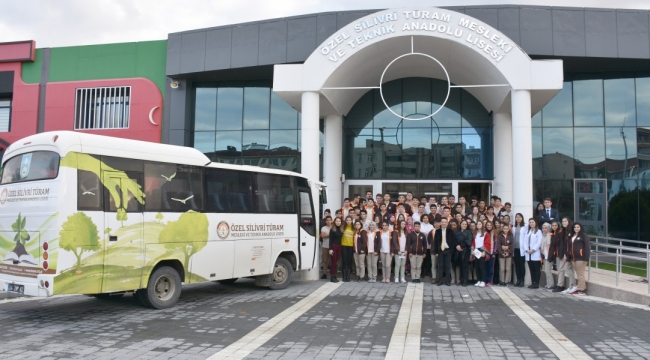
(24, 111)
(18, 51)
(60, 104)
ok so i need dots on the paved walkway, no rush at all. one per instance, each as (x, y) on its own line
(320, 320)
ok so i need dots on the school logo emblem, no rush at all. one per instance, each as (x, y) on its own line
(25, 165)
(223, 230)
(3, 196)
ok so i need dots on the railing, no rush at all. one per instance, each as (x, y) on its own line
(604, 248)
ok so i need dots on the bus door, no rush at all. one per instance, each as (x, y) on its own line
(123, 243)
(307, 229)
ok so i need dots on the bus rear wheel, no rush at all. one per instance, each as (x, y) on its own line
(282, 274)
(163, 289)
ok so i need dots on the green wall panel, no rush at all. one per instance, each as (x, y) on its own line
(32, 70)
(112, 61)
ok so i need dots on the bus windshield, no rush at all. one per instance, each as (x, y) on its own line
(37, 165)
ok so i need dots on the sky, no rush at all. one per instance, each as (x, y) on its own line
(55, 23)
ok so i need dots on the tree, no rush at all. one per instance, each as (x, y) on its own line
(19, 227)
(79, 234)
(189, 234)
(160, 217)
(121, 216)
(107, 232)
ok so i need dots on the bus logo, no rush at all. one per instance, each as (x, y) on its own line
(223, 230)
(3, 196)
(25, 165)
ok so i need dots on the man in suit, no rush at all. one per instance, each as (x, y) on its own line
(443, 241)
(548, 214)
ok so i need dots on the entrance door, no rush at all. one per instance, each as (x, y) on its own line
(123, 250)
(481, 190)
(418, 189)
(307, 230)
(591, 205)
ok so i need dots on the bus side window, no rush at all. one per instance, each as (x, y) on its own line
(228, 191)
(171, 187)
(89, 191)
(274, 194)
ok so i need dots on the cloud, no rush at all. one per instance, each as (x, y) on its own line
(82, 22)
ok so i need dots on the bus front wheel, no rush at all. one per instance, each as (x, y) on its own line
(163, 289)
(282, 274)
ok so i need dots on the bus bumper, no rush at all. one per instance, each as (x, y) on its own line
(29, 287)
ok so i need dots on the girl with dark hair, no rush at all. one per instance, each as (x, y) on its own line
(400, 252)
(481, 243)
(347, 248)
(505, 244)
(360, 249)
(336, 233)
(564, 254)
(474, 216)
(538, 208)
(490, 263)
(520, 263)
(531, 251)
(580, 251)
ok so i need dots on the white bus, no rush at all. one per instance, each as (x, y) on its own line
(89, 214)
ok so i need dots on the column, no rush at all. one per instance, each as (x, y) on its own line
(333, 161)
(522, 154)
(502, 186)
(309, 157)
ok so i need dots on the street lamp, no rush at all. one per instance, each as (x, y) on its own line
(625, 162)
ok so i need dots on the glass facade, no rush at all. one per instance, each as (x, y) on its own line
(598, 127)
(456, 143)
(244, 122)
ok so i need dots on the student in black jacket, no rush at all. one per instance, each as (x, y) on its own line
(417, 247)
(443, 241)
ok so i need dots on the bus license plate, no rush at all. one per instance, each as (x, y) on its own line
(16, 288)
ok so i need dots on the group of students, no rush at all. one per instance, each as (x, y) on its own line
(455, 243)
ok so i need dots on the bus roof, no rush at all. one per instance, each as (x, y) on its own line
(217, 165)
(64, 142)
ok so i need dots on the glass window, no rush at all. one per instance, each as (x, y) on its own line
(559, 111)
(643, 101)
(621, 153)
(228, 191)
(620, 103)
(283, 116)
(256, 107)
(228, 147)
(171, 187)
(536, 120)
(205, 109)
(588, 102)
(417, 97)
(274, 194)
(474, 114)
(622, 215)
(284, 140)
(360, 116)
(393, 96)
(5, 114)
(204, 142)
(538, 162)
(449, 115)
(589, 145)
(643, 150)
(230, 105)
(37, 165)
(558, 153)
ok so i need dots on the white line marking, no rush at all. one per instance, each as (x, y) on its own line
(562, 347)
(350, 88)
(405, 341)
(32, 298)
(473, 86)
(265, 332)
